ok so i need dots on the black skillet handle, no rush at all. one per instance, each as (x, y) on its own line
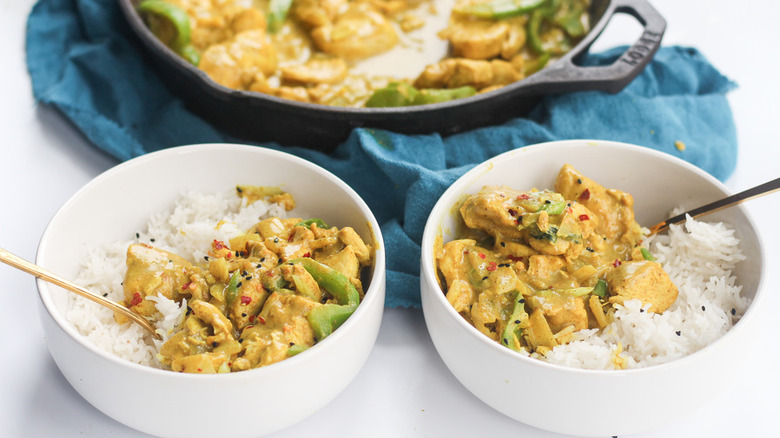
(565, 76)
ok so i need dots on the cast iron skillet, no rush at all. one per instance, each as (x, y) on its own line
(259, 117)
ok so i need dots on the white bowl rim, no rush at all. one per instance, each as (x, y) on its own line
(433, 226)
(371, 294)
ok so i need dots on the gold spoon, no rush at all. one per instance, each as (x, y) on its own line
(759, 190)
(19, 263)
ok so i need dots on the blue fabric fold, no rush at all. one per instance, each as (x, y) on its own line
(83, 60)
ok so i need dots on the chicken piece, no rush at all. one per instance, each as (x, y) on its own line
(359, 32)
(483, 38)
(214, 22)
(494, 211)
(240, 61)
(344, 261)
(205, 344)
(152, 272)
(544, 271)
(250, 297)
(350, 237)
(316, 13)
(316, 71)
(561, 309)
(459, 72)
(641, 280)
(614, 208)
(283, 324)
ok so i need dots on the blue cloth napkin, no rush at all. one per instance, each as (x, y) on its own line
(84, 61)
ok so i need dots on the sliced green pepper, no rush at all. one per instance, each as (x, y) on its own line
(436, 95)
(231, 291)
(393, 95)
(277, 13)
(328, 317)
(646, 254)
(600, 289)
(498, 9)
(308, 222)
(513, 330)
(296, 349)
(171, 25)
(569, 18)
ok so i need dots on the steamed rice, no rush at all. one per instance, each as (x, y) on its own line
(187, 229)
(700, 258)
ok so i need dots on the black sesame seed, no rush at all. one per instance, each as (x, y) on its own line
(517, 321)
(703, 308)
(503, 244)
(240, 340)
(105, 294)
(249, 277)
(521, 300)
(641, 310)
(485, 277)
(506, 342)
(214, 344)
(151, 240)
(259, 265)
(276, 240)
(238, 285)
(137, 235)
(677, 333)
(243, 315)
(579, 180)
(292, 344)
(243, 273)
(733, 311)
(206, 258)
(589, 249)
(262, 260)
(239, 189)
(547, 201)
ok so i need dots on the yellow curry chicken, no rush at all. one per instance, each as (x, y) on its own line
(308, 50)
(533, 267)
(261, 297)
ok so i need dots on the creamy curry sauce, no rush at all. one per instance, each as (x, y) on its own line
(257, 299)
(530, 268)
(340, 52)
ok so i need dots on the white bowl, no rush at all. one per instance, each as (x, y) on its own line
(590, 402)
(116, 204)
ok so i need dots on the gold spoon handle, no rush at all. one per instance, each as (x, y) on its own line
(19, 263)
(759, 190)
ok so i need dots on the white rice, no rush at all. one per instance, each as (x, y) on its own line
(187, 229)
(700, 258)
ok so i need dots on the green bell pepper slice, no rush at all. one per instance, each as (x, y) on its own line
(277, 13)
(328, 317)
(499, 9)
(171, 25)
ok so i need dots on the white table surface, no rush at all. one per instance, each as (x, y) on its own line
(404, 390)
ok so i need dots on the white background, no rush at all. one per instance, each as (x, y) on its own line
(404, 390)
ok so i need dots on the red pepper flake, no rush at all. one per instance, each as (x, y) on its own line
(585, 195)
(290, 239)
(466, 252)
(199, 370)
(512, 212)
(136, 299)
(307, 254)
(219, 244)
(261, 319)
(491, 266)
(252, 318)
(616, 263)
(584, 217)
(245, 299)
(514, 258)
(523, 197)
(482, 256)
(186, 285)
